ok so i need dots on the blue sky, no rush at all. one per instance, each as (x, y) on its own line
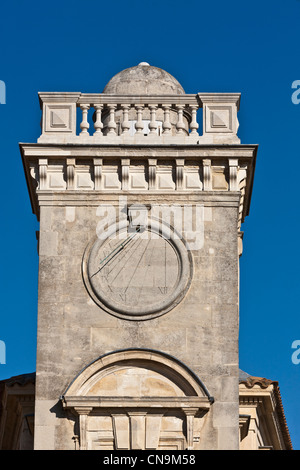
(209, 46)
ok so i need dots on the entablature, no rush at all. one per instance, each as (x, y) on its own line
(180, 171)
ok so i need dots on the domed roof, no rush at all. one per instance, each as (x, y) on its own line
(144, 79)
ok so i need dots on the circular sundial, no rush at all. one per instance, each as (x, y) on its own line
(138, 273)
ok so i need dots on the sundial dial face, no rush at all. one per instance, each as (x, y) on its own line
(138, 273)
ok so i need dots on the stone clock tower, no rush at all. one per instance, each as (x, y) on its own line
(140, 235)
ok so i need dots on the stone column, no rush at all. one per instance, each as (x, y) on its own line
(83, 414)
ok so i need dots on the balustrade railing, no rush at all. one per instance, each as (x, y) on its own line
(131, 118)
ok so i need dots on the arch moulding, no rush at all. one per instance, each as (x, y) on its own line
(137, 399)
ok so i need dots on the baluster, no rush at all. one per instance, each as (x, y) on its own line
(180, 123)
(84, 126)
(194, 125)
(166, 124)
(112, 123)
(139, 125)
(153, 123)
(98, 123)
(125, 123)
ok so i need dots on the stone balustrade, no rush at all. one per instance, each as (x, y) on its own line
(139, 119)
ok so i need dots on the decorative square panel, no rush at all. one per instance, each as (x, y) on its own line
(165, 181)
(219, 119)
(58, 118)
(165, 178)
(138, 181)
(111, 180)
(56, 178)
(84, 180)
(192, 180)
(219, 181)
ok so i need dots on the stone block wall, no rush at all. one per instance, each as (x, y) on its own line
(201, 331)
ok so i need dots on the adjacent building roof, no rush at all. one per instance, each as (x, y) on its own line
(250, 381)
(17, 399)
(22, 379)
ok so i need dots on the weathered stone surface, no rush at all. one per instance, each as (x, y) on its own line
(143, 79)
(170, 362)
(201, 331)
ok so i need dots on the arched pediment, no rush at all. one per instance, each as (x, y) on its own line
(137, 399)
(153, 373)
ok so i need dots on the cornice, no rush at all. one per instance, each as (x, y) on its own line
(207, 166)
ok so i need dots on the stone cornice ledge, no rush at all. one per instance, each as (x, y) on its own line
(94, 198)
(52, 172)
(76, 402)
(48, 150)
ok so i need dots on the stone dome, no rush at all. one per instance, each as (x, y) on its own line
(143, 79)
